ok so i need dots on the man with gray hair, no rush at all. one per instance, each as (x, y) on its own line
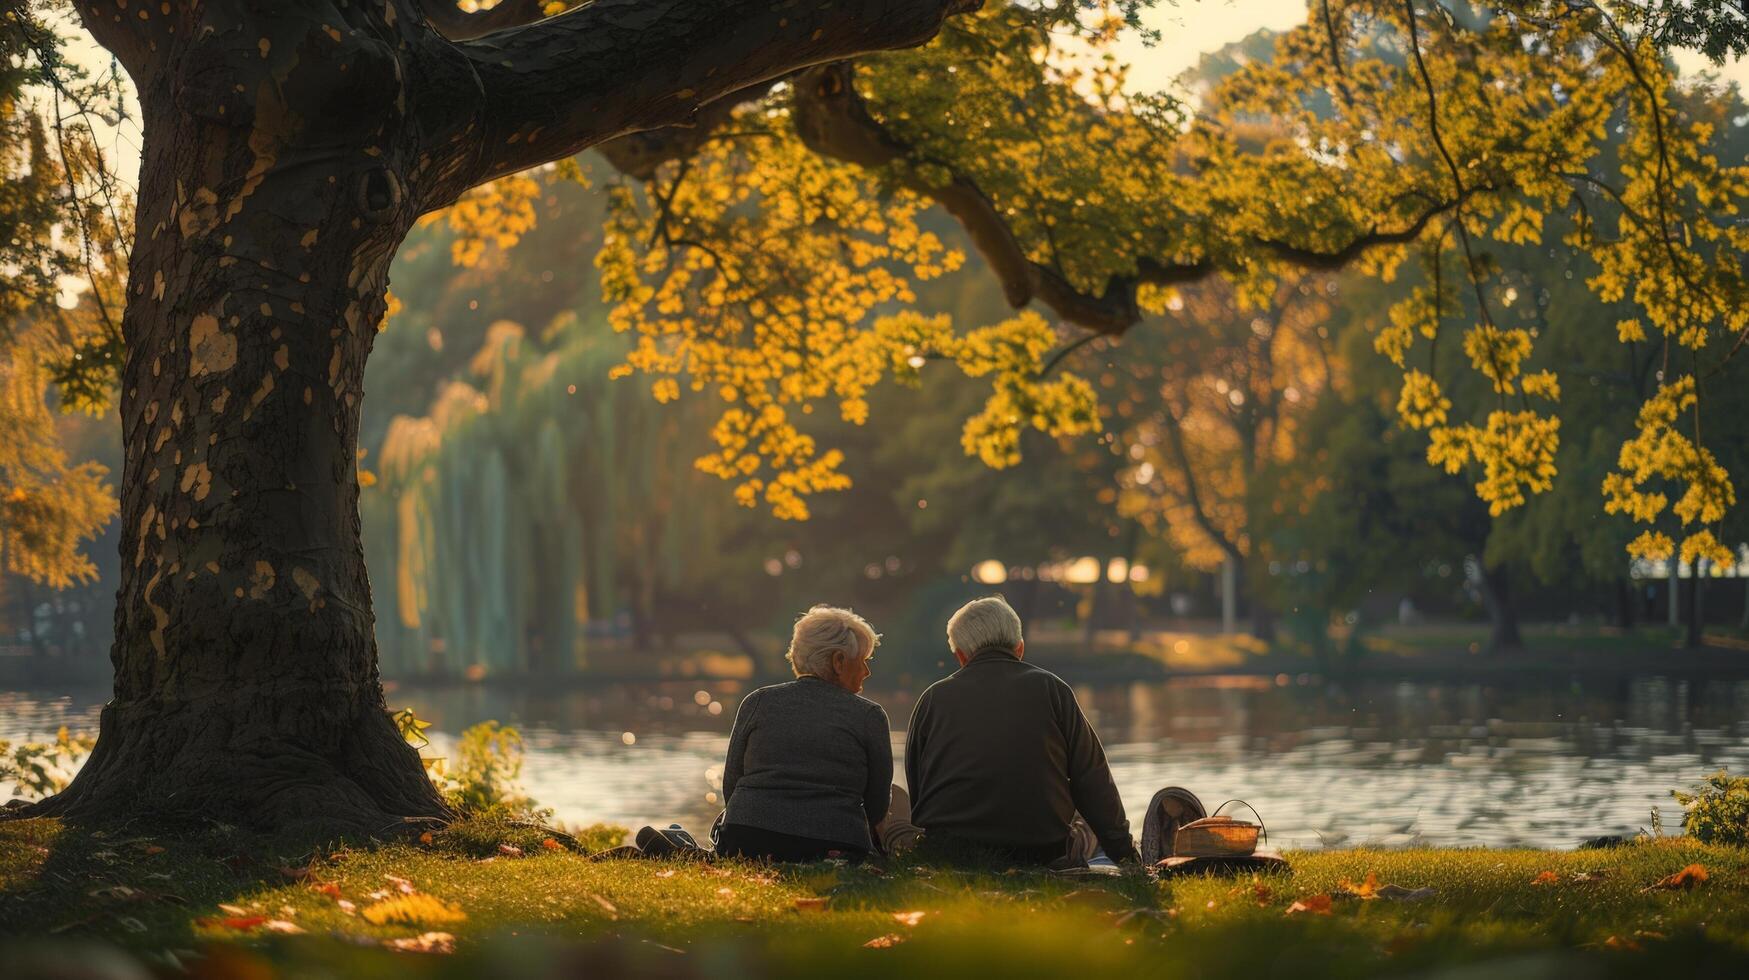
(1000, 757)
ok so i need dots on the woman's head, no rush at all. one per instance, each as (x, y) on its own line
(834, 645)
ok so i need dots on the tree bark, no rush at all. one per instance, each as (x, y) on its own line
(1502, 616)
(1693, 613)
(288, 150)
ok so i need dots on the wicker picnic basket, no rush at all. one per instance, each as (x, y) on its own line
(1217, 836)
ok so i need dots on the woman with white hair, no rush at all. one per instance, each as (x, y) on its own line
(810, 764)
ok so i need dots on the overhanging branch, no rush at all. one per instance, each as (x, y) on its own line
(563, 84)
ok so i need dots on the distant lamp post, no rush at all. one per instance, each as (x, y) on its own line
(1117, 571)
(990, 572)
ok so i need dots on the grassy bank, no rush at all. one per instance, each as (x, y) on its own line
(234, 905)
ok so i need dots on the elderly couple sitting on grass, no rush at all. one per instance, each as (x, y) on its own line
(1001, 763)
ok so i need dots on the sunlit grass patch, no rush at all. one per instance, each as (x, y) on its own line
(337, 908)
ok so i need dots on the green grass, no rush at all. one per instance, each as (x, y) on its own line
(70, 894)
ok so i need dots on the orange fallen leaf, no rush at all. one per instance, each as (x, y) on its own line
(887, 941)
(552, 845)
(327, 888)
(812, 904)
(1617, 942)
(1366, 890)
(1682, 880)
(1313, 904)
(154, 849)
(426, 942)
(1546, 878)
(908, 918)
(1261, 893)
(425, 838)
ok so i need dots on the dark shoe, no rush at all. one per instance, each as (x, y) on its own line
(670, 842)
(1170, 809)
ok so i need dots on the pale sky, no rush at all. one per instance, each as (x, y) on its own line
(1188, 28)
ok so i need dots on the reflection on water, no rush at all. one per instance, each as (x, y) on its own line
(1381, 762)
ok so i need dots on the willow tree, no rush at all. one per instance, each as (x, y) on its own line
(288, 149)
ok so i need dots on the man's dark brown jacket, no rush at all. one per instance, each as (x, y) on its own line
(999, 754)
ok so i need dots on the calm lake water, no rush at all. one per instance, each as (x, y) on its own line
(1327, 764)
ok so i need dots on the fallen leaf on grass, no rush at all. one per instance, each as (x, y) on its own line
(725, 893)
(414, 910)
(1617, 942)
(510, 850)
(282, 926)
(153, 849)
(1365, 891)
(908, 918)
(812, 904)
(1314, 904)
(606, 906)
(665, 873)
(425, 838)
(347, 907)
(1546, 878)
(1683, 880)
(887, 941)
(233, 909)
(327, 888)
(426, 942)
(552, 845)
(403, 884)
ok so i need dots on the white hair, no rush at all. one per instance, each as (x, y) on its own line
(982, 624)
(824, 630)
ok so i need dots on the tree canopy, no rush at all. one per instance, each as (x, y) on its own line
(765, 250)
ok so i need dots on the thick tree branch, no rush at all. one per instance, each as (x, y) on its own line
(460, 25)
(566, 83)
(639, 154)
(136, 37)
(832, 120)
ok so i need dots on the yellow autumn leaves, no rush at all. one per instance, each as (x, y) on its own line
(1662, 452)
(758, 273)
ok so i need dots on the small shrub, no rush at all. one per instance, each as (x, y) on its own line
(481, 779)
(1717, 812)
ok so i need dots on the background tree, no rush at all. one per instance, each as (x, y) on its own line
(1216, 428)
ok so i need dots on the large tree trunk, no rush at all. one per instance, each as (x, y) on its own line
(272, 198)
